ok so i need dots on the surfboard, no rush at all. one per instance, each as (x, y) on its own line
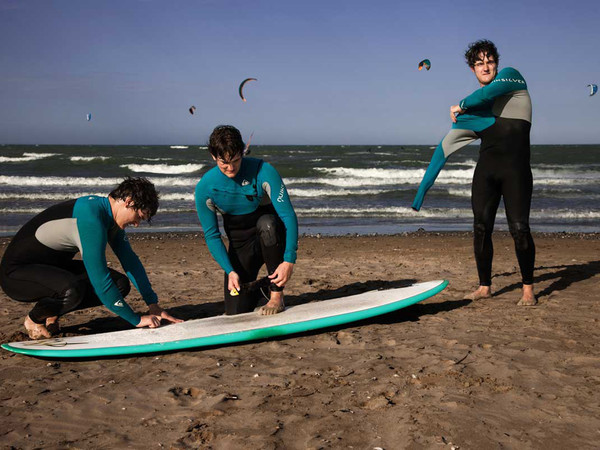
(221, 330)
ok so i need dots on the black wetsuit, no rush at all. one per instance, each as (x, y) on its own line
(500, 115)
(38, 264)
(259, 222)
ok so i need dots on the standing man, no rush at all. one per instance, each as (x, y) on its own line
(499, 113)
(38, 264)
(259, 221)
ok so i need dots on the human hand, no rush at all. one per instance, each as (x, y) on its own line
(282, 274)
(233, 281)
(455, 110)
(150, 321)
(156, 310)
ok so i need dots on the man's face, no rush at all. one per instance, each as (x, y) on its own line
(485, 69)
(130, 216)
(229, 168)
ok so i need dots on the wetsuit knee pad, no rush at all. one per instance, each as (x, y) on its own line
(521, 234)
(123, 284)
(73, 296)
(266, 226)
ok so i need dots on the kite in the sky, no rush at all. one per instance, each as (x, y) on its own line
(425, 63)
(88, 116)
(192, 109)
(593, 89)
(241, 89)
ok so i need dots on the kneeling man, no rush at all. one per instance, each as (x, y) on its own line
(38, 264)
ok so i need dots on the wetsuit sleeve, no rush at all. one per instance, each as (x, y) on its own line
(463, 133)
(93, 238)
(133, 267)
(433, 170)
(210, 225)
(508, 80)
(270, 178)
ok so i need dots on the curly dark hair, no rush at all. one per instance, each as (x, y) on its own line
(142, 193)
(481, 46)
(226, 143)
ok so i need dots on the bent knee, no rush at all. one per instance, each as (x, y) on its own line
(266, 227)
(123, 284)
(73, 296)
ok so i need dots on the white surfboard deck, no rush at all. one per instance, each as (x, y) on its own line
(223, 329)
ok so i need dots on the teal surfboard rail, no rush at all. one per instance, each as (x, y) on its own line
(230, 338)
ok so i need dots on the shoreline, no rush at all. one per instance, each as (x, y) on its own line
(160, 235)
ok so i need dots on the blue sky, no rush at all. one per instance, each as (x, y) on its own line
(329, 72)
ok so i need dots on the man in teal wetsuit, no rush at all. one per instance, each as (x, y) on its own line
(500, 115)
(38, 264)
(259, 221)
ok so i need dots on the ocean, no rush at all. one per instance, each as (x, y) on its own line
(335, 190)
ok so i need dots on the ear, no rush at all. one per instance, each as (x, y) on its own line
(472, 69)
(213, 157)
(128, 202)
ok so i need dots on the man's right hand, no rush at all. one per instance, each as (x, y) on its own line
(150, 321)
(455, 110)
(233, 281)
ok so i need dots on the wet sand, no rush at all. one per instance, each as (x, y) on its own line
(445, 373)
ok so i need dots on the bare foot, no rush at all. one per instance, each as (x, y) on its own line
(274, 306)
(52, 325)
(528, 298)
(36, 330)
(480, 293)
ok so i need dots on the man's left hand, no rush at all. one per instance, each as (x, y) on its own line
(156, 310)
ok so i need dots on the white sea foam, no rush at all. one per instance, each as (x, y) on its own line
(178, 146)
(457, 192)
(394, 211)
(567, 167)
(565, 174)
(553, 215)
(21, 210)
(440, 213)
(47, 196)
(334, 192)
(88, 158)
(187, 196)
(567, 214)
(82, 181)
(57, 181)
(26, 157)
(351, 182)
(163, 168)
(346, 177)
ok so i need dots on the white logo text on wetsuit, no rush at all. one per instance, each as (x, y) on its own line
(281, 193)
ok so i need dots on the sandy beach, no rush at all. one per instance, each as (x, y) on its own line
(445, 373)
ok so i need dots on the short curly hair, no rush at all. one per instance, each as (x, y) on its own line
(481, 46)
(142, 193)
(226, 143)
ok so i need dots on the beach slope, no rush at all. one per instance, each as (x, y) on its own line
(443, 373)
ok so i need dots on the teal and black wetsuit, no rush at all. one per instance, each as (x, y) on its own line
(500, 115)
(38, 264)
(259, 222)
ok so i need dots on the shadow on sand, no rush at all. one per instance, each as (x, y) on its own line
(563, 276)
(210, 309)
